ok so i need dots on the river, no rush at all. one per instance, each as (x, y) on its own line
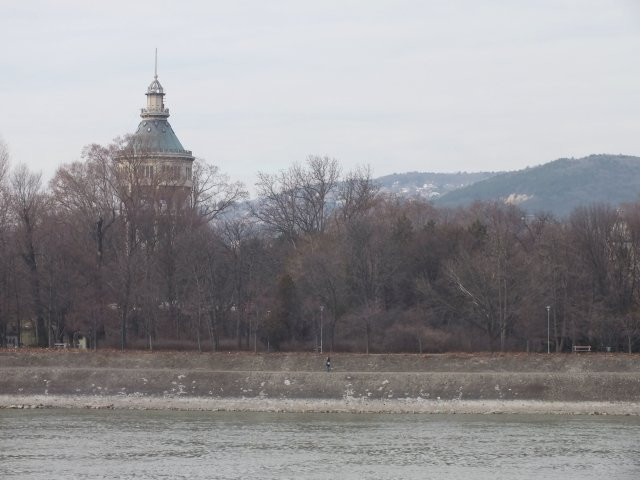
(121, 444)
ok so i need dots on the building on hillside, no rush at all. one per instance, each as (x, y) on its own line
(154, 158)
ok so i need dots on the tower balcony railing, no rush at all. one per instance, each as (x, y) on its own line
(153, 111)
(151, 151)
(139, 151)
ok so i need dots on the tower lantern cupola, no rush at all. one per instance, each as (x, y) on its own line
(155, 98)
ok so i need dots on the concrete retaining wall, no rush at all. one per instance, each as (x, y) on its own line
(569, 377)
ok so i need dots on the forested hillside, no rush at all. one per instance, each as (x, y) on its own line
(559, 186)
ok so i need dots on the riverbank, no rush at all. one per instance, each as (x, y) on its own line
(398, 406)
(451, 383)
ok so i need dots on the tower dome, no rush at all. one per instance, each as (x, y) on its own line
(154, 134)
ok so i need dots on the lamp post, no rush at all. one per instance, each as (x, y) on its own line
(255, 332)
(268, 327)
(548, 335)
(234, 309)
(321, 310)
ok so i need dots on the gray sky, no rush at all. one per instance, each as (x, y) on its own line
(400, 85)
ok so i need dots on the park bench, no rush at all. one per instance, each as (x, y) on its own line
(581, 348)
(61, 345)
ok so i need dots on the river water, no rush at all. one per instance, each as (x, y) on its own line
(106, 444)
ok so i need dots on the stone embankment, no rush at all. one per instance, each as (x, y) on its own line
(479, 383)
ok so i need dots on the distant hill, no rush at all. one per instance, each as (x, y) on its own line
(429, 185)
(558, 186)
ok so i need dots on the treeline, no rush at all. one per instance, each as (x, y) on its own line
(320, 257)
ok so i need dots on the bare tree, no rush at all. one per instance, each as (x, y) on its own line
(4, 187)
(84, 194)
(5, 261)
(592, 227)
(4, 161)
(320, 270)
(357, 194)
(276, 205)
(297, 201)
(315, 183)
(488, 274)
(212, 192)
(28, 204)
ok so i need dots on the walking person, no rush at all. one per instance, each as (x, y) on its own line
(328, 364)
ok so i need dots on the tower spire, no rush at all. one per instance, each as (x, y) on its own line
(155, 93)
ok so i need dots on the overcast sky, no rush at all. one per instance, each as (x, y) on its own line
(256, 85)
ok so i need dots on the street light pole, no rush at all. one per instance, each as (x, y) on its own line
(548, 335)
(268, 326)
(321, 310)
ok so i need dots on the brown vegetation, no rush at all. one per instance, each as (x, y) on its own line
(320, 258)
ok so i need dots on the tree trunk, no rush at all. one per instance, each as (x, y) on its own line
(210, 329)
(367, 330)
(123, 328)
(198, 330)
(41, 334)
